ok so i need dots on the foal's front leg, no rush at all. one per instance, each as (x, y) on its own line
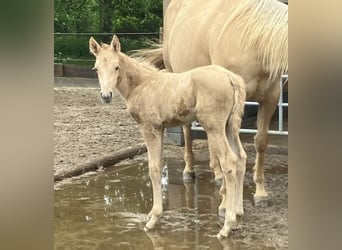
(154, 142)
(188, 173)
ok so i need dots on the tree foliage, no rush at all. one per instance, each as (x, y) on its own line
(108, 15)
(103, 16)
(76, 16)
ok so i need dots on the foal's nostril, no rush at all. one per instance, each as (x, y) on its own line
(106, 98)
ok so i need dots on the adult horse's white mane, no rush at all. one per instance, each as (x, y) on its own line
(261, 26)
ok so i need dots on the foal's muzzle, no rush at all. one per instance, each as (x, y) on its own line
(107, 98)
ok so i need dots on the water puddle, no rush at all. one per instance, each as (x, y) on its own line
(108, 211)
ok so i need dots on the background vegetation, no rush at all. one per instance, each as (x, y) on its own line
(102, 16)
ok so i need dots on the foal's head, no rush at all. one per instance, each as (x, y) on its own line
(106, 65)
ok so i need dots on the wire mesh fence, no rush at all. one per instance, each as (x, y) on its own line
(72, 48)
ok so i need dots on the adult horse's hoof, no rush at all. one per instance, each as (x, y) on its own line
(222, 212)
(261, 201)
(238, 221)
(188, 176)
(218, 181)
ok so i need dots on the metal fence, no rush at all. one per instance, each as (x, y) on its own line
(281, 104)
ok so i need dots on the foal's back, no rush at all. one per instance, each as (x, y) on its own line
(174, 99)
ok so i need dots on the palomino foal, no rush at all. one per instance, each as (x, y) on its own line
(156, 100)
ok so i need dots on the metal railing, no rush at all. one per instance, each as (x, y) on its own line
(196, 126)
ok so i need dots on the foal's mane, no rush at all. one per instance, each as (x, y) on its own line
(133, 63)
(127, 61)
(262, 26)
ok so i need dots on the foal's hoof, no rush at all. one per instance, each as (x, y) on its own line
(146, 229)
(149, 226)
(223, 233)
(188, 176)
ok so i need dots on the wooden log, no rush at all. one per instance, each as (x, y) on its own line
(104, 162)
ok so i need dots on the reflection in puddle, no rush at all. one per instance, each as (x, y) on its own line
(108, 211)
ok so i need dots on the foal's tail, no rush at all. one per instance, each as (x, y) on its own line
(235, 118)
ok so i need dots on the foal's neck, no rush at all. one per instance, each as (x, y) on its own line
(132, 74)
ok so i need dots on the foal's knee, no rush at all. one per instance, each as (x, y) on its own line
(229, 172)
(154, 173)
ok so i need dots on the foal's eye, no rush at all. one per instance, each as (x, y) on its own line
(117, 68)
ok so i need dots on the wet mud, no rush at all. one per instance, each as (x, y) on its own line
(107, 210)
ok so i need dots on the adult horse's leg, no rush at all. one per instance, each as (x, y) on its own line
(265, 112)
(154, 143)
(188, 173)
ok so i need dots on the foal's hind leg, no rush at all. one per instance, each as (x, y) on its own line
(265, 112)
(215, 166)
(220, 147)
(188, 173)
(234, 141)
(154, 142)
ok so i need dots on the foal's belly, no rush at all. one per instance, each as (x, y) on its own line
(177, 114)
(164, 116)
(178, 121)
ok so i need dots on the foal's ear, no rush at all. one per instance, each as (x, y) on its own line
(93, 46)
(116, 44)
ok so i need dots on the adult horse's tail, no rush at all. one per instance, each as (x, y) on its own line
(235, 118)
(153, 55)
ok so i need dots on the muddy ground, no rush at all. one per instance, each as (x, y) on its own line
(86, 129)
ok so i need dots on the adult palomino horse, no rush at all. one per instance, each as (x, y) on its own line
(248, 37)
(156, 100)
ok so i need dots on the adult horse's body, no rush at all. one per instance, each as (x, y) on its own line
(156, 100)
(248, 37)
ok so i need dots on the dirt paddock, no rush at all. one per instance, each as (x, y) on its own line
(85, 129)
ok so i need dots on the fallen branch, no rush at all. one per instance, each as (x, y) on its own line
(105, 161)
